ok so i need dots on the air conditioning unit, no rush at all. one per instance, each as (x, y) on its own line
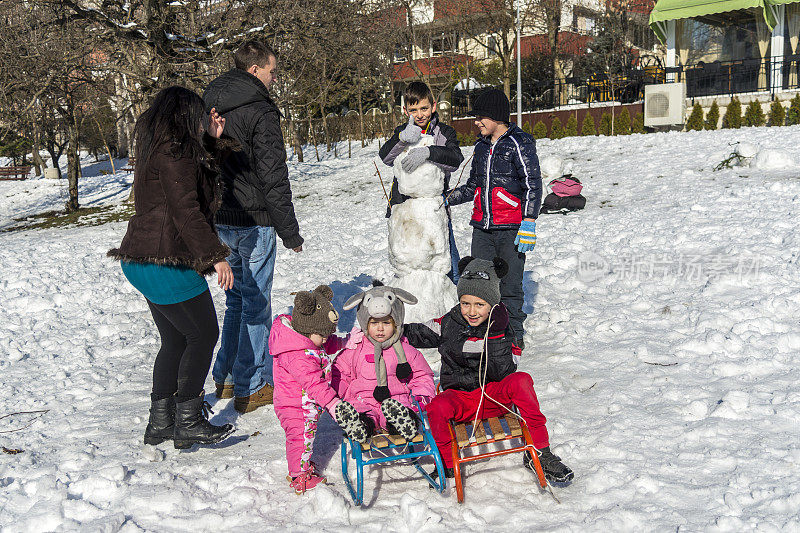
(664, 104)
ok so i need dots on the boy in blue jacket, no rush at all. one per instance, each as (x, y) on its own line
(506, 187)
(445, 153)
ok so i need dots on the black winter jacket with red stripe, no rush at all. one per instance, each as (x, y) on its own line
(504, 183)
(461, 345)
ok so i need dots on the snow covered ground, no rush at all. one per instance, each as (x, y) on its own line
(666, 359)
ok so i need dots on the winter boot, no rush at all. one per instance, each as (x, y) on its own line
(192, 426)
(449, 473)
(400, 417)
(352, 425)
(161, 426)
(554, 470)
(260, 398)
(224, 390)
(306, 481)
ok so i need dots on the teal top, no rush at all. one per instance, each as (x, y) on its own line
(164, 284)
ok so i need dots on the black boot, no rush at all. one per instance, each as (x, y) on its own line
(554, 470)
(161, 426)
(449, 473)
(192, 426)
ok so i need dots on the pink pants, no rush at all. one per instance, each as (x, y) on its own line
(300, 426)
(461, 406)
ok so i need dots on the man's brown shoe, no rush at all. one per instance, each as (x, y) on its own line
(224, 391)
(245, 404)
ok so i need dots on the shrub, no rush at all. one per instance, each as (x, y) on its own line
(556, 130)
(539, 130)
(622, 123)
(638, 123)
(754, 116)
(777, 114)
(712, 117)
(695, 122)
(793, 115)
(587, 128)
(605, 124)
(466, 139)
(571, 129)
(526, 127)
(733, 115)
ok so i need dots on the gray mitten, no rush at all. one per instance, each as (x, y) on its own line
(411, 133)
(415, 157)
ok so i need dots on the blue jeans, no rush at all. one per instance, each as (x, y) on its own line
(453, 274)
(243, 357)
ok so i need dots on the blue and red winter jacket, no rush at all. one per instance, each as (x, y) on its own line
(504, 183)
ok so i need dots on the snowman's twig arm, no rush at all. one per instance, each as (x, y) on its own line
(382, 185)
(459, 179)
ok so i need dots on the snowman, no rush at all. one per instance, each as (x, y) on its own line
(419, 248)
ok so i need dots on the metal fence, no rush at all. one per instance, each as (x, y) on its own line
(718, 78)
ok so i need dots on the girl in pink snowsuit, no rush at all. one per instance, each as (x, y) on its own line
(302, 373)
(379, 371)
(354, 376)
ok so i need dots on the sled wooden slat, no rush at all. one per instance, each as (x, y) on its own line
(461, 435)
(497, 429)
(480, 433)
(397, 440)
(379, 441)
(419, 438)
(513, 425)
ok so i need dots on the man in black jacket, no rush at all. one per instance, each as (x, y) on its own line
(256, 204)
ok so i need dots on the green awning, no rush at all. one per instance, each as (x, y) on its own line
(667, 10)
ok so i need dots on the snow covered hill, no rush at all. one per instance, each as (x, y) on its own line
(663, 339)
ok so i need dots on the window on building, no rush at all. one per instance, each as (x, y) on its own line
(399, 53)
(444, 43)
(491, 44)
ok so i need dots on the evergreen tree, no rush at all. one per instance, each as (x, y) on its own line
(587, 128)
(777, 114)
(556, 130)
(605, 124)
(712, 117)
(638, 123)
(622, 123)
(793, 115)
(695, 122)
(733, 115)
(571, 129)
(539, 130)
(754, 116)
(526, 127)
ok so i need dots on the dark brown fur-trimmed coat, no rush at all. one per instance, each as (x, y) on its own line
(175, 200)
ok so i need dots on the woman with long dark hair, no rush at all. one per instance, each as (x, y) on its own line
(169, 247)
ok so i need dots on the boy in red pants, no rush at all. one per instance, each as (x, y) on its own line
(460, 336)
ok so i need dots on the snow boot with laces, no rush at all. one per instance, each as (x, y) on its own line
(306, 481)
(192, 426)
(161, 425)
(400, 418)
(554, 470)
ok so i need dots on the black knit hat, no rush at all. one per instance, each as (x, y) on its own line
(492, 104)
(481, 278)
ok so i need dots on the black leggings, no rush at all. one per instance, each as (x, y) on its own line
(189, 332)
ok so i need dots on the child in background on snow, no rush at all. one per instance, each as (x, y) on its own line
(505, 186)
(445, 153)
(467, 348)
(302, 372)
(379, 371)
